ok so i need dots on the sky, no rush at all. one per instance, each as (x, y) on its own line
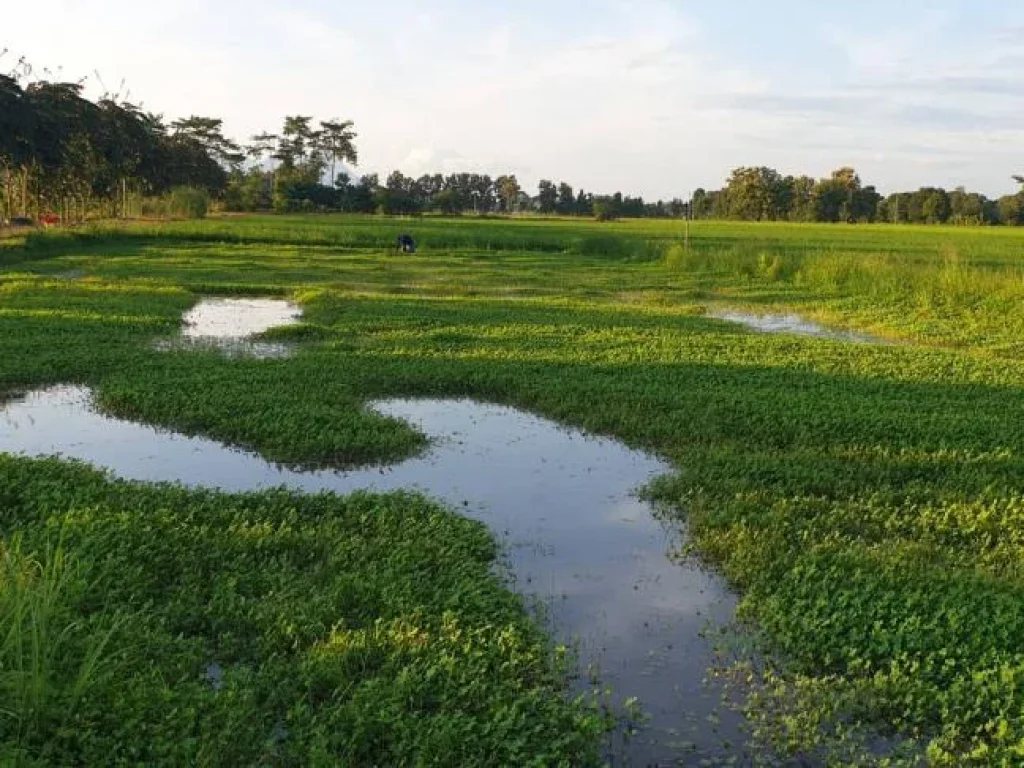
(651, 97)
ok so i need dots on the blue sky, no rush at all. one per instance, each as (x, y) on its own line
(648, 96)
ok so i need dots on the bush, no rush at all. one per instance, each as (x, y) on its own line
(188, 203)
(605, 209)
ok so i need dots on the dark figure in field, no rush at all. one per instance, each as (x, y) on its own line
(406, 244)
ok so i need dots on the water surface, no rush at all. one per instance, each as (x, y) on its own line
(791, 323)
(230, 325)
(576, 536)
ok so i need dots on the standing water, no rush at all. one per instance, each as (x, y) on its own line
(767, 323)
(230, 324)
(576, 535)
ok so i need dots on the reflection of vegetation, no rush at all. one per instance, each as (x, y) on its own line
(866, 499)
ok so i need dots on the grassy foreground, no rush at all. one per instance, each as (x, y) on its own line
(866, 499)
(158, 626)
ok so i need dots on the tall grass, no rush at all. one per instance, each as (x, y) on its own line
(49, 655)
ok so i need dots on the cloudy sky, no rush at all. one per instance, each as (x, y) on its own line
(655, 97)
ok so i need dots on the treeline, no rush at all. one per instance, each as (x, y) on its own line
(763, 194)
(289, 169)
(63, 154)
(295, 185)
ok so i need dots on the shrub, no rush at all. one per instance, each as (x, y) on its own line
(188, 202)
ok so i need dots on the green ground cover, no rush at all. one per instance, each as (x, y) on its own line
(866, 499)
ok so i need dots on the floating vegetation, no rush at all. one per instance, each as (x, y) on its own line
(864, 499)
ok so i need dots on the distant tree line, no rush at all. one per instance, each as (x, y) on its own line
(295, 184)
(62, 153)
(289, 171)
(763, 194)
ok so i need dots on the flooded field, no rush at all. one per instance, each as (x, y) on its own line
(773, 323)
(577, 538)
(229, 325)
(863, 492)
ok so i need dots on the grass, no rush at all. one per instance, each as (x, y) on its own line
(865, 499)
(267, 628)
(49, 657)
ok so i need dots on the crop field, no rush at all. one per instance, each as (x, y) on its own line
(865, 500)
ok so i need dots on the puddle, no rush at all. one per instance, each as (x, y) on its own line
(576, 537)
(230, 324)
(791, 324)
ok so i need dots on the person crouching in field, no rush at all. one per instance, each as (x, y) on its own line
(406, 244)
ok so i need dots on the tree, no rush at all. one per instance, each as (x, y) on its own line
(188, 164)
(127, 143)
(566, 205)
(295, 141)
(208, 133)
(935, 206)
(547, 197)
(801, 207)
(700, 204)
(447, 201)
(336, 139)
(1011, 209)
(606, 208)
(837, 198)
(65, 157)
(262, 145)
(14, 142)
(397, 196)
(757, 194)
(584, 204)
(482, 193)
(508, 192)
(361, 197)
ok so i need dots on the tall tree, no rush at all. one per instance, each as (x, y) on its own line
(208, 132)
(261, 145)
(547, 197)
(566, 200)
(296, 139)
(336, 139)
(508, 192)
(757, 194)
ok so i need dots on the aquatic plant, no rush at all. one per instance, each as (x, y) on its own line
(865, 499)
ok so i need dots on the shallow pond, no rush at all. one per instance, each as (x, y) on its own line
(769, 323)
(229, 325)
(576, 536)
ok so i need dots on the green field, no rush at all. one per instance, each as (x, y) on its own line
(865, 499)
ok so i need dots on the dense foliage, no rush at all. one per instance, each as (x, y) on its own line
(284, 190)
(155, 625)
(61, 153)
(866, 498)
(764, 194)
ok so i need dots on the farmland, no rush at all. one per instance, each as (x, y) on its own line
(864, 500)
